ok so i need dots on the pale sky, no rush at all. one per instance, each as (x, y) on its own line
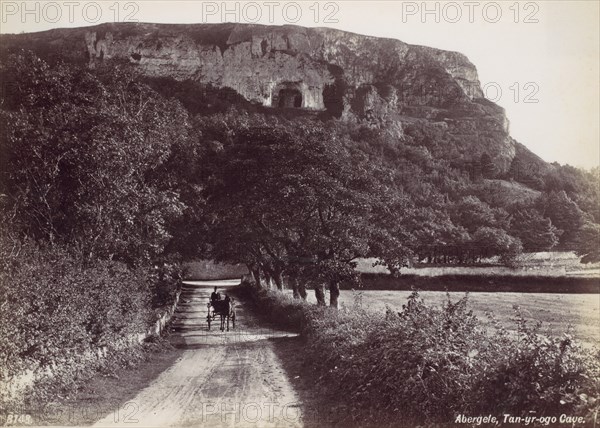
(537, 59)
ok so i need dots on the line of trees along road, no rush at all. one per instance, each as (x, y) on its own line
(101, 164)
(292, 198)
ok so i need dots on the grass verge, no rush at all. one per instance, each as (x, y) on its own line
(107, 390)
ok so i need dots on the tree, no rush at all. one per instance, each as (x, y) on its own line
(487, 242)
(434, 238)
(291, 198)
(488, 168)
(587, 243)
(472, 214)
(580, 185)
(85, 153)
(535, 232)
(564, 214)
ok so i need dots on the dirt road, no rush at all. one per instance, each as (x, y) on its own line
(222, 379)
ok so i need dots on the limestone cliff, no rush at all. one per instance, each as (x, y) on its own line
(384, 82)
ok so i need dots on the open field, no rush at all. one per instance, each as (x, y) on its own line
(559, 313)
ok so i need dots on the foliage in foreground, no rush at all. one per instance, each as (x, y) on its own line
(427, 365)
(57, 312)
(87, 208)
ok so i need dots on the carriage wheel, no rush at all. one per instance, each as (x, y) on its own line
(208, 319)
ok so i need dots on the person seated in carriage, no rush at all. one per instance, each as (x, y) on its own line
(215, 296)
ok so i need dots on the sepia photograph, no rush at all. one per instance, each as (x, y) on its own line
(307, 214)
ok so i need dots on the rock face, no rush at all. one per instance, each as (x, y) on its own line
(385, 83)
(274, 68)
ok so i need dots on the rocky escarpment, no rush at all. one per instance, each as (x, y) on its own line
(385, 83)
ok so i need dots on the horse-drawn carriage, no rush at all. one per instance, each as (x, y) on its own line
(225, 309)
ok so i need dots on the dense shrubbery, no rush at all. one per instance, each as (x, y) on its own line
(87, 208)
(426, 365)
(55, 309)
(274, 306)
(86, 159)
(165, 282)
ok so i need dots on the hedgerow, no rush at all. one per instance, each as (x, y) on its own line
(57, 312)
(88, 206)
(428, 365)
(273, 306)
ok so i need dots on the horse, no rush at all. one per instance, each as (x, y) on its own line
(226, 310)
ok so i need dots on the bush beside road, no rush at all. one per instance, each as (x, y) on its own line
(430, 365)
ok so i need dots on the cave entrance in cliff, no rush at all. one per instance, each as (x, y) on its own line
(287, 95)
(289, 98)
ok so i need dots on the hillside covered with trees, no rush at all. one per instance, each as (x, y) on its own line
(100, 163)
(111, 178)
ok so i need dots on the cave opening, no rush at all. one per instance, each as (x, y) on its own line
(333, 99)
(289, 98)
